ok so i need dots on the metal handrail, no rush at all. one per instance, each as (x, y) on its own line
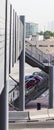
(14, 108)
(38, 54)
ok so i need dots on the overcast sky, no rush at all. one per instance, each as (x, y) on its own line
(38, 11)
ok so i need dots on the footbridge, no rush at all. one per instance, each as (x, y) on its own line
(35, 58)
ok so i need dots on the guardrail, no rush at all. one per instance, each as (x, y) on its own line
(31, 115)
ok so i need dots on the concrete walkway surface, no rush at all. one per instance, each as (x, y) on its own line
(33, 129)
(37, 125)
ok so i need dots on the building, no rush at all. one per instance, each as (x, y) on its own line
(50, 26)
(31, 29)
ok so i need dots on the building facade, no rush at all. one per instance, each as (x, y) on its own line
(31, 29)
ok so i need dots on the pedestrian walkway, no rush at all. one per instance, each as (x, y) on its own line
(41, 125)
(34, 129)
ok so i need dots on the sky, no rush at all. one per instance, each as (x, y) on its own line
(38, 11)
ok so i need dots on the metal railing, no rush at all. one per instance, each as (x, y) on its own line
(38, 54)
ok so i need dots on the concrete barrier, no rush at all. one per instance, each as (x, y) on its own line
(39, 114)
(32, 115)
(20, 115)
(51, 113)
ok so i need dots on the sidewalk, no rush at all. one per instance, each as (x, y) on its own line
(33, 129)
(42, 125)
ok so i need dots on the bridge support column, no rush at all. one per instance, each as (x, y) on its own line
(51, 87)
(21, 70)
(4, 93)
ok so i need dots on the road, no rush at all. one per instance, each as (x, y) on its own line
(40, 125)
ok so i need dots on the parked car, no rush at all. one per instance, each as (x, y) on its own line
(32, 80)
(28, 77)
(37, 76)
(30, 83)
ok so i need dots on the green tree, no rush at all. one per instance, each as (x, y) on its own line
(53, 34)
(41, 33)
(48, 34)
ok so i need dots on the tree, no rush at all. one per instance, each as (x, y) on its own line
(41, 33)
(48, 34)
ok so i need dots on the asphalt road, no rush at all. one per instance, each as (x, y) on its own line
(37, 125)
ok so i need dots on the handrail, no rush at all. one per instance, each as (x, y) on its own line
(13, 89)
(38, 54)
(14, 80)
(16, 86)
(15, 108)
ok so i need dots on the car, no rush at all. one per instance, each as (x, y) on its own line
(30, 83)
(35, 73)
(34, 76)
(37, 78)
(28, 77)
(38, 75)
